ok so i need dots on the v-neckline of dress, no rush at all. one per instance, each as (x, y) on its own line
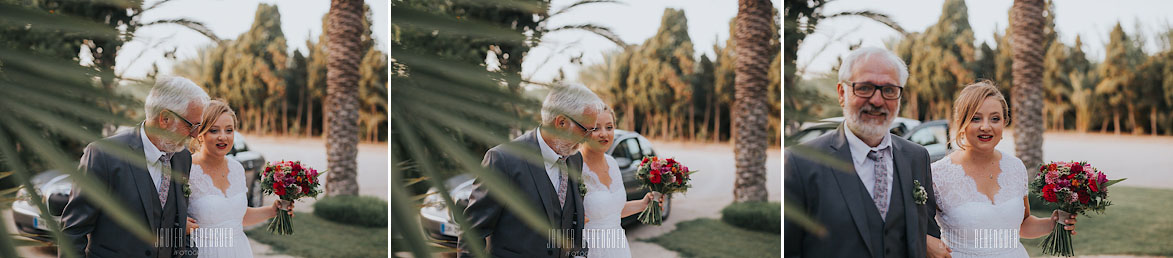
(596, 174)
(993, 199)
(212, 182)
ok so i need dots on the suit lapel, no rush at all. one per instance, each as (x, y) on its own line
(541, 180)
(911, 218)
(142, 180)
(853, 190)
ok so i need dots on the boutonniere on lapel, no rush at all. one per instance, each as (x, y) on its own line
(919, 194)
(582, 190)
(186, 187)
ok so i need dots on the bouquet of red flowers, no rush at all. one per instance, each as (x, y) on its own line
(289, 180)
(1073, 188)
(662, 176)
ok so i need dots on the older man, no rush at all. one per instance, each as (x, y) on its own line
(568, 118)
(872, 191)
(144, 185)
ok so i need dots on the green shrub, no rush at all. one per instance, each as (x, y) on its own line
(354, 210)
(757, 216)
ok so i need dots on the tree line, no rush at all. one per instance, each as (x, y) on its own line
(277, 92)
(661, 89)
(1130, 91)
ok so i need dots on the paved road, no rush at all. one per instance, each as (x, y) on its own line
(712, 189)
(1147, 161)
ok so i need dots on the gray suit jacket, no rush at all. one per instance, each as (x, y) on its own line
(504, 233)
(835, 197)
(91, 230)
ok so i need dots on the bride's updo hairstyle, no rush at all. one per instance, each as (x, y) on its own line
(967, 103)
(212, 113)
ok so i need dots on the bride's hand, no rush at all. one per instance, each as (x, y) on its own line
(191, 225)
(647, 200)
(1070, 222)
(937, 248)
(277, 209)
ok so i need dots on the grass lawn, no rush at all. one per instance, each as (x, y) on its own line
(1139, 222)
(706, 237)
(316, 237)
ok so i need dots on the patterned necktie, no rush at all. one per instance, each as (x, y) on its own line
(880, 195)
(562, 178)
(165, 162)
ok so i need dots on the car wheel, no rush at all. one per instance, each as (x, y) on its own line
(667, 209)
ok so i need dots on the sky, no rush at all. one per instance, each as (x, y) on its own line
(634, 21)
(1091, 20)
(300, 20)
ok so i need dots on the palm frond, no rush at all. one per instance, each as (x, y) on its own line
(878, 17)
(190, 24)
(594, 29)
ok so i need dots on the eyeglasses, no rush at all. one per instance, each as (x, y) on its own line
(194, 127)
(867, 90)
(588, 131)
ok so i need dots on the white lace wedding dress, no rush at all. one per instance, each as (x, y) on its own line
(970, 224)
(220, 214)
(603, 204)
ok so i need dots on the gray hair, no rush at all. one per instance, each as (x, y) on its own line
(855, 57)
(174, 93)
(569, 99)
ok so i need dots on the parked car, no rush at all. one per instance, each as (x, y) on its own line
(934, 136)
(628, 149)
(55, 187)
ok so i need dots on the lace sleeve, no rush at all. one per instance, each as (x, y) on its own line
(616, 174)
(949, 184)
(198, 183)
(1020, 182)
(935, 169)
(236, 176)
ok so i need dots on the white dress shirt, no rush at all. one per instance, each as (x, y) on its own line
(550, 159)
(152, 154)
(865, 167)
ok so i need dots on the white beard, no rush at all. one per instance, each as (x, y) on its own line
(867, 129)
(563, 147)
(170, 145)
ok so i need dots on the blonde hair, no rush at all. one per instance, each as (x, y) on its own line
(967, 103)
(212, 113)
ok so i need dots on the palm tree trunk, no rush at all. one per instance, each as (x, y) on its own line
(1136, 129)
(300, 106)
(754, 19)
(1026, 21)
(309, 119)
(705, 121)
(691, 123)
(1153, 119)
(717, 124)
(342, 75)
(1116, 121)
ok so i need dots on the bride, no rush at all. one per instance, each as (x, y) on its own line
(605, 202)
(981, 192)
(218, 193)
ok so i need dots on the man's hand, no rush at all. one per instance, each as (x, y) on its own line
(937, 248)
(191, 225)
